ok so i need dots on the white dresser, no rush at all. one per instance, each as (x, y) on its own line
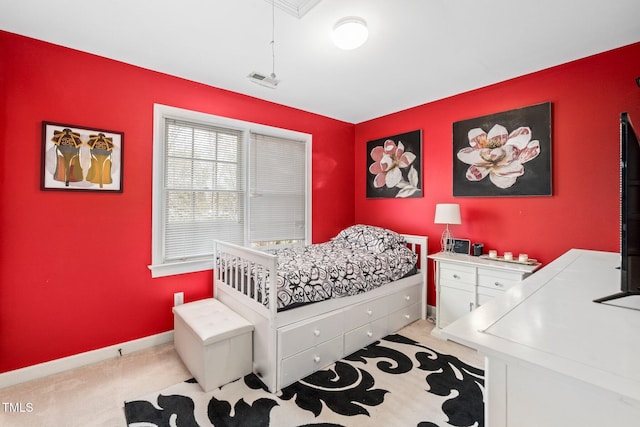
(465, 282)
(553, 356)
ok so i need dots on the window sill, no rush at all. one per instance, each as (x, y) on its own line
(182, 267)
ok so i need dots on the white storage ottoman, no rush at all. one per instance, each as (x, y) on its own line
(214, 342)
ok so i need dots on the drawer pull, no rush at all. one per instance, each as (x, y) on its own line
(316, 359)
(407, 298)
(369, 312)
(470, 306)
(498, 284)
(316, 332)
(369, 334)
(407, 316)
(455, 276)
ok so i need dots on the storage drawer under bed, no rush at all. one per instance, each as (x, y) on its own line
(360, 337)
(366, 312)
(306, 362)
(298, 337)
(401, 318)
(403, 298)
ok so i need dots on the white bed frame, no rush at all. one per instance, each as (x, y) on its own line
(292, 344)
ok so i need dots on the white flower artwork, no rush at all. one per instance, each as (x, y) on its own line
(504, 154)
(393, 166)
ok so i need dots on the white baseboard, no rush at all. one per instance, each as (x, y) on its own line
(81, 359)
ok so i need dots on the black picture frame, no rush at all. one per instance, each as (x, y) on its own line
(394, 166)
(483, 166)
(77, 158)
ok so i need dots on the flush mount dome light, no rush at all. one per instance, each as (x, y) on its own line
(350, 32)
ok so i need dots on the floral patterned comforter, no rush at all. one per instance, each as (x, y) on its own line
(351, 263)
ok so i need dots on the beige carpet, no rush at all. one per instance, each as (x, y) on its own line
(93, 395)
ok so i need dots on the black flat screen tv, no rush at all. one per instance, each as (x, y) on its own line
(629, 211)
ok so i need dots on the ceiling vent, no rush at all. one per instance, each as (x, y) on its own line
(266, 81)
(297, 8)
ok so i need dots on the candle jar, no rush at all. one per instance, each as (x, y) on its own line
(508, 256)
(523, 257)
(493, 254)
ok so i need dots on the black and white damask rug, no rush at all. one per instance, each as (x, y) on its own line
(393, 382)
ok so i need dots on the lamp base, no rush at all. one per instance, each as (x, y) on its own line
(447, 240)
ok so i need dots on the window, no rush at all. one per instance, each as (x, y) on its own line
(218, 178)
(276, 193)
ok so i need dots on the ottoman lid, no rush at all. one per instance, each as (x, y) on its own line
(211, 320)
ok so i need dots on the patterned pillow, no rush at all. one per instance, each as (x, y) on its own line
(370, 238)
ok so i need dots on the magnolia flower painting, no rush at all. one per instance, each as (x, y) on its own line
(393, 166)
(504, 154)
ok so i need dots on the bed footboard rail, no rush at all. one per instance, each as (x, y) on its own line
(242, 278)
(248, 272)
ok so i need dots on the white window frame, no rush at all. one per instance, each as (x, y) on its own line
(158, 267)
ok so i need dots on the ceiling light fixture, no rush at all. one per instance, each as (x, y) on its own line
(350, 32)
(271, 82)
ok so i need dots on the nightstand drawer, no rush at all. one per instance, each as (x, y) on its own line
(487, 294)
(500, 280)
(458, 273)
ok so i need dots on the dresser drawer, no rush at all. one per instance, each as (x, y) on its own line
(457, 273)
(500, 280)
(361, 314)
(401, 318)
(306, 362)
(485, 294)
(294, 339)
(404, 298)
(364, 335)
(457, 284)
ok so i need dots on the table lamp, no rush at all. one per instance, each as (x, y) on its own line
(447, 213)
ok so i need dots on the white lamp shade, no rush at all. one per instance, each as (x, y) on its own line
(447, 213)
(350, 33)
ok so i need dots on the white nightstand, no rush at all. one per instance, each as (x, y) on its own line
(465, 282)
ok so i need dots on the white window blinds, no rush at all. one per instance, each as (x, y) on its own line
(203, 189)
(217, 178)
(277, 196)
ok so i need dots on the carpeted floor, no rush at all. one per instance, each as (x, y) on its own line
(394, 382)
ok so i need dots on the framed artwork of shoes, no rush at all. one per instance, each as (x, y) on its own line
(76, 158)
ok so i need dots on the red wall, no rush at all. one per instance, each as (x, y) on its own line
(583, 212)
(74, 273)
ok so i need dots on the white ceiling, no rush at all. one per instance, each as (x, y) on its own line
(418, 50)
